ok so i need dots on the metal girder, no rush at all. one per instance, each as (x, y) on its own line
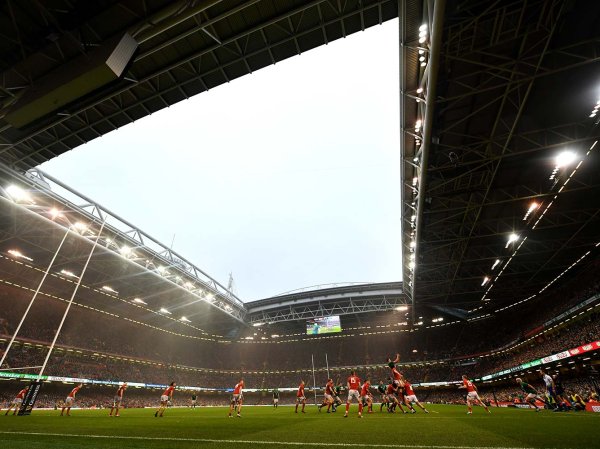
(350, 306)
(120, 237)
(481, 175)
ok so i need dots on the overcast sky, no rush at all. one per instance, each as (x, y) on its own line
(287, 178)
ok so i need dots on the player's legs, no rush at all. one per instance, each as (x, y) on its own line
(469, 406)
(239, 408)
(303, 404)
(480, 402)
(231, 405)
(10, 407)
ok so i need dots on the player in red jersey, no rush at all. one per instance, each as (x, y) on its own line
(328, 395)
(17, 401)
(118, 399)
(300, 398)
(365, 397)
(396, 375)
(237, 399)
(392, 399)
(353, 385)
(472, 395)
(70, 399)
(164, 399)
(411, 398)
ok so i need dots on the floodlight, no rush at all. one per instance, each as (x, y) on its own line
(411, 265)
(418, 124)
(184, 319)
(423, 27)
(422, 58)
(274, 336)
(80, 226)
(421, 39)
(565, 158)
(496, 263)
(401, 308)
(414, 350)
(415, 180)
(109, 289)
(18, 194)
(412, 244)
(420, 90)
(512, 238)
(163, 310)
(139, 301)
(485, 281)
(19, 255)
(257, 324)
(55, 213)
(68, 273)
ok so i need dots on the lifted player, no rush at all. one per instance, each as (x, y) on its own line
(410, 397)
(300, 397)
(237, 399)
(17, 401)
(353, 385)
(472, 395)
(70, 399)
(396, 375)
(118, 399)
(165, 398)
(532, 394)
(328, 395)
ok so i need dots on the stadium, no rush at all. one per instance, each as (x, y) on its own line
(493, 322)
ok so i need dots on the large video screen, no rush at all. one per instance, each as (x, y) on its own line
(326, 325)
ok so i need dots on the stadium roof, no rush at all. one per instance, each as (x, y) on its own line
(73, 71)
(490, 216)
(491, 93)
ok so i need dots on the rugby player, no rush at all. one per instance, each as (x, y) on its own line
(532, 394)
(410, 397)
(392, 398)
(381, 388)
(118, 399)
(165, 398)
(194, 399)
(300, 398)
(396, 375)
(353, 384)
(237, 398)
(17, 401)
(336, 398)
(560, 393)
(328, 395)
(550, 390)
(276, 397)
(472, 395)
(70, 399)
(365, 397)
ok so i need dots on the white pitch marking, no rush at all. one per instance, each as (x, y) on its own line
(281, 443)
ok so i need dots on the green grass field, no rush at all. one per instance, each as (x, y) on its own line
(265, 427)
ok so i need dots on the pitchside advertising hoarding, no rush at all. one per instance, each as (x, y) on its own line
(548, 359)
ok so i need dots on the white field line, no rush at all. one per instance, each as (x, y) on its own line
(229, 441)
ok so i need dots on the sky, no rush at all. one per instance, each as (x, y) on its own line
(286, 178)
